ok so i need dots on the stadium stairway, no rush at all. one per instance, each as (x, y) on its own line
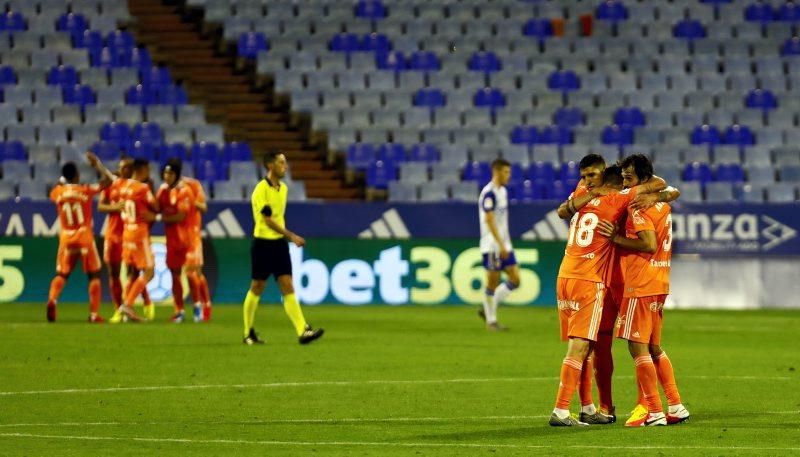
(230, 97)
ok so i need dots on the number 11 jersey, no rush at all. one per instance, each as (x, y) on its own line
(588, 254)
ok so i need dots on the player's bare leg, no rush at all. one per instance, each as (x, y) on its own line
(193, 275)
(135, 288)
(676, 412)
(115, 283)
(505, 288)
(305, 333)
(489, 311)
(648, 382)
(95, 292)
(148, 308)
(571, 368)
(177, 295)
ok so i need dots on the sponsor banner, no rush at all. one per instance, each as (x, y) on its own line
(394, 272)
(713, 230)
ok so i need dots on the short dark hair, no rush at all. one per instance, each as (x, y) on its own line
(613, 175)
(591, 160)
(138, 164)
(271, 156)
(69, 171)
(500, 163)
(175, 165)
(641, 164)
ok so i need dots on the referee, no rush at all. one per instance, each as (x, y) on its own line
(269, 253)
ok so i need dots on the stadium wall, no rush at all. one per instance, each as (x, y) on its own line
(727, 256)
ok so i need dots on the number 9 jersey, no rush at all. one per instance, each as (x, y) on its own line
(139, 201)
(588, 254)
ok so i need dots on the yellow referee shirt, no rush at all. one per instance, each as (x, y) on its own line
(267, 200)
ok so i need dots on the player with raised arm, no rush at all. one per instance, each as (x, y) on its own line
(646, 248)
(495, 243)
(140, 208)
(73, 201)
(175, 200)
(601, 360)
(111, 204)
(269, 253)
(198, 284)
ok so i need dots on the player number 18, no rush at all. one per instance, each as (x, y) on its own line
(582, 231)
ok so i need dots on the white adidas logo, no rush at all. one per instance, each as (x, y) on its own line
(389, 226)
(550, 228)
(224, 226)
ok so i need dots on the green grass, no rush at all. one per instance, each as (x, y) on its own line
(483, 393)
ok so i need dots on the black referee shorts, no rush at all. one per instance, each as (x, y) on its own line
(270, 258)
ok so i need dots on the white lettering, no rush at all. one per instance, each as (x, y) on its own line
(40, 227)
(746, 227)
(722, 230)
(352, 282)
(15, 226)
(391, 268)
(698, 226)
(315, 274)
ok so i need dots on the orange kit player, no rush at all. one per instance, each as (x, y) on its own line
(646, 251)
(175, 199)
(138, 213)
(111, 203)
(591, 169)
(76, 240)
(194, 254)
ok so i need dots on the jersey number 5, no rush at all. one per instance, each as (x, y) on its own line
(582, 231)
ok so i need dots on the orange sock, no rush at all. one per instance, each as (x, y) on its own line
(640, 400)
(116, 291)
(585, 386)
(570, 376)
(205, 296)
(666, 376)
(604, 369)
(56, 286)
(194, 285)
(94, 295)
(135, 289)
(648, 381)
(177, 293)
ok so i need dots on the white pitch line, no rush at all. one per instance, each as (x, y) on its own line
(349, 383)
(385, 444)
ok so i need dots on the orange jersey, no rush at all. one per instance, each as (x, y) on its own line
(74, 205)
(115, 225)
(139, 201)
(171, 201)
(195, 218)
(588, 254)
(648, 274)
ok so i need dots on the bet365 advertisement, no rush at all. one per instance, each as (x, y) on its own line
(352, 272)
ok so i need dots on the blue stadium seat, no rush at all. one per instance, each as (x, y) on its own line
(788, 12)
(142, 95)
(705, 134)
(729, 172)
(12, 22)
(697, 171)
(689, 29)
(629, 117)
(237, 151)
(7, 75)
(569, 117)
(391, 152)
(370, 9)
(524, 134)
(424, 61)
(140, 150)
(791, 47)
(176, 151)
(759, 12)
(62, 76)
(13, 150)
(116, 133)
(205, 152)
(553, 134)
(570, 172)
(120, 39)
(541, 171)
(392, 60)
(210, 170)
(481, 172)
(762, 99)
(484, 61)
(106, 150)
(564, 81)
(73, 23)
(345, 42)
(489, 97)
(155, 77)
(79, 95)
(430, 98)
(611, 11)
(251, 43)
(148, 133)
(619, 135)
(380, 173)
(360, 155)
(89, 39)
(173, 95)
(376, 42)
(423, 152)
(540, 29)
(738, 134)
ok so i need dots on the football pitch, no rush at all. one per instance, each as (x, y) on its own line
(382, 381)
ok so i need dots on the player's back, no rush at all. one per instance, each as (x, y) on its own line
(138, 201)
(493, 199)
(111, 194)
(174, 200)
(194, 218)
(588, 254)
(74, 204)
(648, 274)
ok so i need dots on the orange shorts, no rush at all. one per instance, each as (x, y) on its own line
(138, 254)
(611, 302)
(580, 307)
(194, 253)
(641, 319)
(112, 251)
(70, 250)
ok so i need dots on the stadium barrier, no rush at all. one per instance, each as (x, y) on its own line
(727, 256)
